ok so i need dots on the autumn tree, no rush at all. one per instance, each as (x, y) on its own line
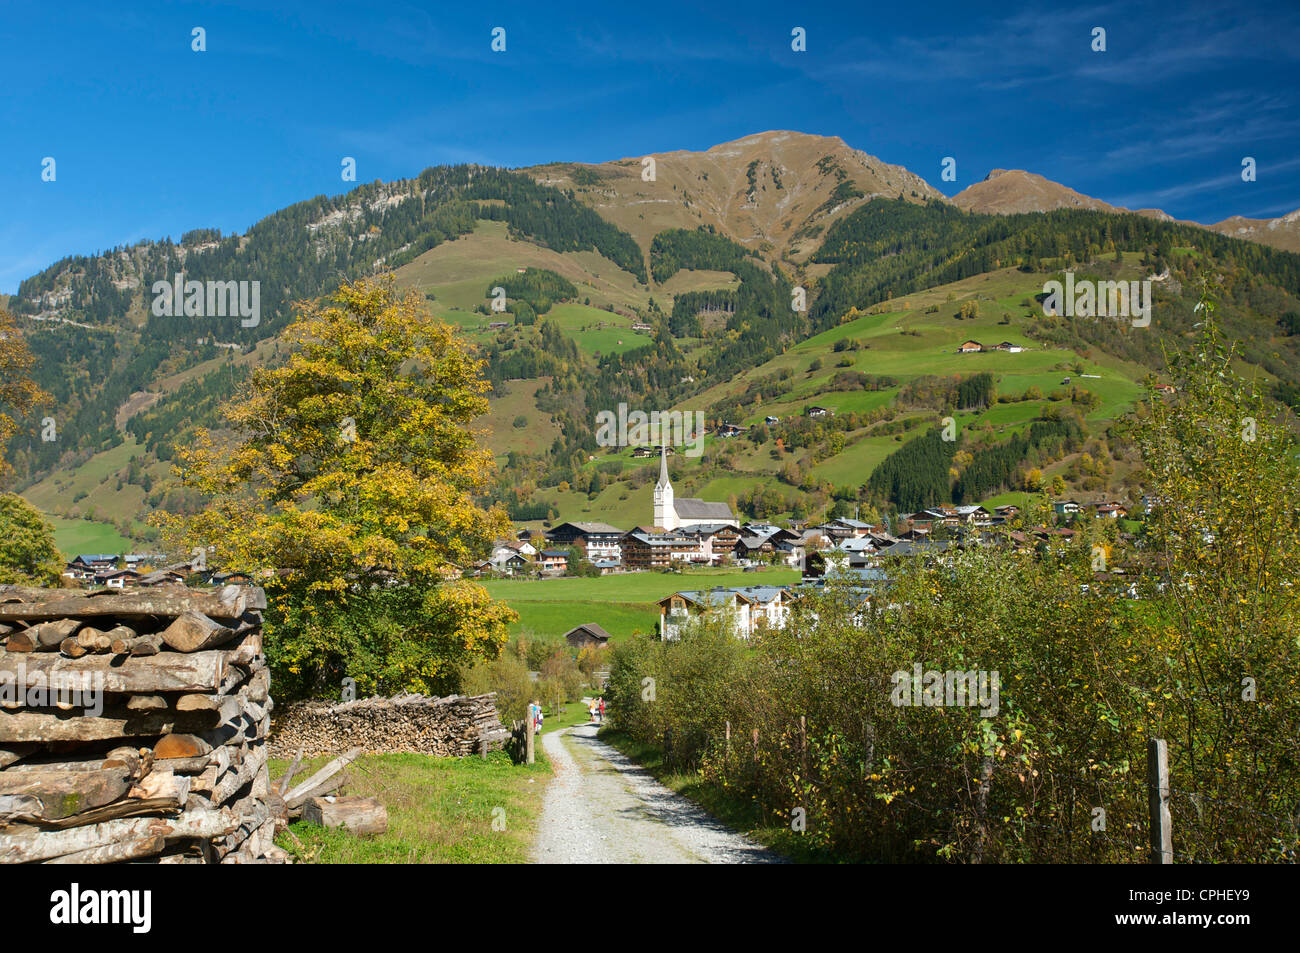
(18, 392)
(349, 489)
(1223, 471)
(28, 555)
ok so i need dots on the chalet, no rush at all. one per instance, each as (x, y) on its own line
(596, 540)
(1007, 511)
(640, 452)
(754, 609)
(497, 325)
(970, 347)
(818, 412)
(117, 578)
(844, 528)
(553, 561)
(1066, 507)
(78, 572)
(585, 635)
(1111, 510)
(754, 547)
(607, 566)
(730, 430)
(770, 420)
(660, 550)
(509, 562)
(97, 562)
(716, 539)
(643, 327)
(1008, 347)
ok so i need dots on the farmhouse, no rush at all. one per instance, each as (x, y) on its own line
(970, 347)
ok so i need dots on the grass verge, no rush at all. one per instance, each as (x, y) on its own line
(440, 810)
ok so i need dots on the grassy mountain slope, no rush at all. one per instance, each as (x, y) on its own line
(885, 278)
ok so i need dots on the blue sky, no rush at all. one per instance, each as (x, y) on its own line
(152, 139)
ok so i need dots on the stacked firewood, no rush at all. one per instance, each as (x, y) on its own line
(454, 726)
(133, 726)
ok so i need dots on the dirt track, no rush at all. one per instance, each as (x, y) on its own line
(604, 809)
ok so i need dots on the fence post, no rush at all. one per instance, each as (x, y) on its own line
(532, 727)
(1162, 841)
(803, 747)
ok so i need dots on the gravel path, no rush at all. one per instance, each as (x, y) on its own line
(602, 808)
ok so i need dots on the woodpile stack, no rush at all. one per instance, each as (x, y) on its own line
(133, 726)
(454, 726)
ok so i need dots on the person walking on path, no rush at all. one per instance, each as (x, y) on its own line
(602, 709)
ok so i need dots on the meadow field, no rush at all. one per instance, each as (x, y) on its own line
(622, 604)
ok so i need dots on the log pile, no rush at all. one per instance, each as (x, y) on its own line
(133, 726)
(454, 726)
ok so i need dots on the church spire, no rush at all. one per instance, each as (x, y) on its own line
(663, 468)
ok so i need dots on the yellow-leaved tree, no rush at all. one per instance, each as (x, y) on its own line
(349, 488)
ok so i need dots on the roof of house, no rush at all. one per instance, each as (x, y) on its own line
(693, 509)
(96, 558)
(560, 553)
(589, 528)
(592, 629)
(722, 596)
(707, 529)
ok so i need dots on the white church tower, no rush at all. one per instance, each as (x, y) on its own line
(665, 512)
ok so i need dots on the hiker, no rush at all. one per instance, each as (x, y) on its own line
(602, 709)
(591, 709)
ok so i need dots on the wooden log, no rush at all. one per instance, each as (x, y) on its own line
(23, 641)
(180, 746)
(192, 766)
(307, 788)
(11, 753)
(146, 703)
(44, 845)
(161, 783)
(358, 815)
(283, 785)
(51, 724)
(50, 634)
(229, 603)
(166, 672)
(145, 645)
(65, 793)
(20, 808)
(127, 807)
(249, 651)
(133, 849)
(193, 632)
(72, 648)
(121, 638)
(243, 773)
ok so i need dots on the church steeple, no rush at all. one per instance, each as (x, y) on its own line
(665, 511)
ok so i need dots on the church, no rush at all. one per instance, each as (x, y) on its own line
(671, 514)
